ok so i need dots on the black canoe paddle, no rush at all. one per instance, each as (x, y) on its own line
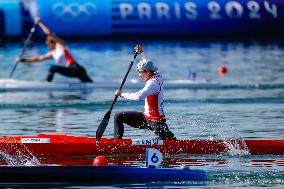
(102, 127)
(24, 48)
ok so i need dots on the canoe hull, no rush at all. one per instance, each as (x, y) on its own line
(62, 145)
(22, 85)
(93, 174)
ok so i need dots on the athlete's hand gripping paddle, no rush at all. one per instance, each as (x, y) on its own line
(102, 127)
(24, 48)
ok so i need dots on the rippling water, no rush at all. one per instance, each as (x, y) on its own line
(236, 112)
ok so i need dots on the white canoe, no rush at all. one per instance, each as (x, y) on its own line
(24, 85)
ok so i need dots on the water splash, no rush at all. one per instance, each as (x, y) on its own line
(19, 157)
(231, 138)
(209, 126)
(236, 148)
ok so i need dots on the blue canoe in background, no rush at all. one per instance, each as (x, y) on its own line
(96, 174)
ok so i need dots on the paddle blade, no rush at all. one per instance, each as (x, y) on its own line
(102, 127)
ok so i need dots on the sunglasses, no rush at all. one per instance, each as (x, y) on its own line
(49, 41)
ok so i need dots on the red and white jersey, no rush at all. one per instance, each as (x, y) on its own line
(154, 98)
(62, 56)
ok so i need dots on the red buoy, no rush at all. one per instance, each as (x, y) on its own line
(222, 70)
(100, 161)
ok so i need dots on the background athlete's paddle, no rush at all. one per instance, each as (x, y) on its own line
(102, 127)
(24, 48)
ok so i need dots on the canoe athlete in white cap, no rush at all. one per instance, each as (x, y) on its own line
(153, 117)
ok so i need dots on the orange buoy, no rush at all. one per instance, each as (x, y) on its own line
(222, 70)
(100, 161)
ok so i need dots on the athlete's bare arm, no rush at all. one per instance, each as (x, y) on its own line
(36, 58)
(47, 31)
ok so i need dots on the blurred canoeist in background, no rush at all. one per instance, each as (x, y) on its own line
(67, 65)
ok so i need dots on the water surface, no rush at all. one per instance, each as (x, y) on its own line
(237, 112)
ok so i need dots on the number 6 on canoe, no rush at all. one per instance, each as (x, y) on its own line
(102, 127)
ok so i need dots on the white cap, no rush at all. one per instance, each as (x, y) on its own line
(145, 64)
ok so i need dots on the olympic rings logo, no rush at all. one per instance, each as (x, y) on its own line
(74, 11)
